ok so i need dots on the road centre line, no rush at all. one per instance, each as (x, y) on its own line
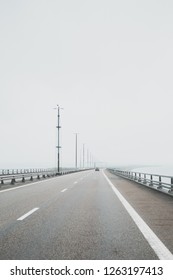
(156, 244)
(27, 214)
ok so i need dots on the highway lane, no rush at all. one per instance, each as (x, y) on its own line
(77, 216)
(20, 199)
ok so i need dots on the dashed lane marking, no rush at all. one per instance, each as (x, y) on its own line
(29, 184)
(64, 190)
(27, 214)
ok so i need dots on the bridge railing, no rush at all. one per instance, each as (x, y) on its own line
(159, 182)
(16, 175)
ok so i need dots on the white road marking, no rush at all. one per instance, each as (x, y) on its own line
(27, 214)
(29, 184)
(156, 244)
(64, 190)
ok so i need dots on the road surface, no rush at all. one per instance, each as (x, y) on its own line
(85, 215)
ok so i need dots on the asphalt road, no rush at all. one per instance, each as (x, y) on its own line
(79, 216)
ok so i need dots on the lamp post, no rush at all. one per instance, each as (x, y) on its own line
(58, 146)
(83, 156)
(87, 158)
(76, 154)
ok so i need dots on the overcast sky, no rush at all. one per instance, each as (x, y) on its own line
(108, 63)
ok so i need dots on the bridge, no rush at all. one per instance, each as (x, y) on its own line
(83, 215)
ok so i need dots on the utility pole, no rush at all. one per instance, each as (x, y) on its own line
(83, 155)
(80, 158)
(58, 147)
(76, 151)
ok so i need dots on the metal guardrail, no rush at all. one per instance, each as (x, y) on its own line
(13, 176)
(158, 182)
(24, 171)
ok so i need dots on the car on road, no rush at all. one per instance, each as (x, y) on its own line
(97, 169)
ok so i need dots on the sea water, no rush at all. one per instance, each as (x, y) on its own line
(165, 170)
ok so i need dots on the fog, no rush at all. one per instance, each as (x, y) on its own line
(108, 64)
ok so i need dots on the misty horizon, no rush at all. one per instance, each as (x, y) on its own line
(107, 63)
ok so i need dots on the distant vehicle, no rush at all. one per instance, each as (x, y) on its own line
(97, 169)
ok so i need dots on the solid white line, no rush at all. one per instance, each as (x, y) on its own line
(27, 214)
(64, 190)
(159, 248)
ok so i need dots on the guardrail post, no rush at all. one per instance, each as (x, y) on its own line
(2, 181)
(160, 182)
(38, 177)
(13, 181)
(151, 181)
(23, 179)
(31, 179)
(145, 181)
(139, 180)
(171, 189)
(135, 176)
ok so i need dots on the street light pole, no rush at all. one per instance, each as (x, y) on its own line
(58, 147)
(87, 158)
(76, 151)
(83, 155)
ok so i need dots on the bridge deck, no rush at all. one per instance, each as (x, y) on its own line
(79, 216)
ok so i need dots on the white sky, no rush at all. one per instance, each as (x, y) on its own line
(108, 63)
